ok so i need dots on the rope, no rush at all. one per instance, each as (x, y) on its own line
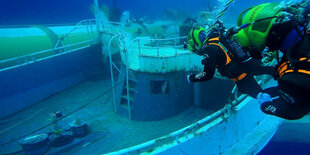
(70, 113)
(220, 14)
(224, 10)
(13, 126)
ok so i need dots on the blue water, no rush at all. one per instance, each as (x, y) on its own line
(31, 12)
(286, 148)
(25, 12)
(44, 12)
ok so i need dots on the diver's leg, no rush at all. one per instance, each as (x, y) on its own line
(272, 91)
(249, 86)
(282, 108)
(293, 98)
(254, 67)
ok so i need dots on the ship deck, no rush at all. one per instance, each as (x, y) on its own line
(90, 101)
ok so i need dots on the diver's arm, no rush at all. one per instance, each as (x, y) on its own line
(208, 61)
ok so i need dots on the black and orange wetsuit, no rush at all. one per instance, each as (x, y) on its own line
(240, 71)
(293, 92)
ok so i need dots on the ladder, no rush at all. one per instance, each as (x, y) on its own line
(125, 93)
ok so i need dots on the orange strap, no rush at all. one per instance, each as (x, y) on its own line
(214, 39)
(284, 72)
(228, 60)
(284, 68)
(240, 77)
(303, 71)
(302, 59)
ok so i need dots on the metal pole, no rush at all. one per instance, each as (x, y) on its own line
(111, 71)
(127, 83)
(175, 46)
(98, 21)
(114, 4)
(157, 47)
(139, 47)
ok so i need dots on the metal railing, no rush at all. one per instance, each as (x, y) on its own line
(58, 49)
(89, 23)
(192, 129)
(122, 44)
(157, 45)
(126, 49)
(110, 27)
(188, 131)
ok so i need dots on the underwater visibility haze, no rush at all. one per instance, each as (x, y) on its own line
(147, 77)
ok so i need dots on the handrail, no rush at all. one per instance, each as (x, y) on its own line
(120, 35)
(183, 37)
(24, 58)
(138, 39)
(176, 46)
(175, 135)
(186, 131)
(40, 52)
(111, 22)
(152, 47)
(44, 51)
(111, 71)
(74, 28)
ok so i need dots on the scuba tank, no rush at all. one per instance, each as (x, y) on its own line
(233, 46)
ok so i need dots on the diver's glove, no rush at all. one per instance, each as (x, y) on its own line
(190, 78)
(263, 97)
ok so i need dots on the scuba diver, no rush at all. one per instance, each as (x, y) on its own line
(284, 30)
(220, 50)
